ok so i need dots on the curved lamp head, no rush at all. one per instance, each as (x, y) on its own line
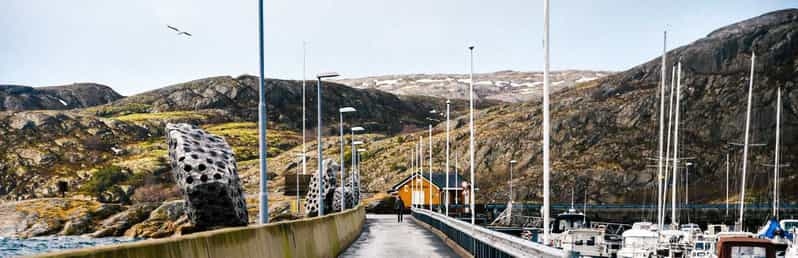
(361, 150)
(513, 162)
(346, 109)
(357, 142)
(357, 129)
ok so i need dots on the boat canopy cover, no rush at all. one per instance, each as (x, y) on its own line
(773, 229)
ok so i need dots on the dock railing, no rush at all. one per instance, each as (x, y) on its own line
(483, 242)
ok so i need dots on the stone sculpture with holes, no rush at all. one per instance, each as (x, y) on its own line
(329, 177)
(204, 167)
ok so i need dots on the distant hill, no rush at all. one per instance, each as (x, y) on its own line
(507, 86)
(78, 95)
(40, 148)
(605, 131)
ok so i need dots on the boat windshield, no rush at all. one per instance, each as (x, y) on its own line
(748, 252)
(789, 226)
(639, 242)
(701, 246)
(568, 224)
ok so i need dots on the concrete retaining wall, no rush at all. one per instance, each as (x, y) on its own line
(314, 237)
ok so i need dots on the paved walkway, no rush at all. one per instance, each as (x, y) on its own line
(384, 237)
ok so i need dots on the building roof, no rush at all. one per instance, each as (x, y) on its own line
(438, 179)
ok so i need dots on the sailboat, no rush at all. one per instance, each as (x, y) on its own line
(773, 230)
(643, 239)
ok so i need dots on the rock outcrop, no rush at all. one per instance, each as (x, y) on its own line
(117, 224)
(162, 222)
(78, 95)
(204, 167)
(328, 179)
(51, 216)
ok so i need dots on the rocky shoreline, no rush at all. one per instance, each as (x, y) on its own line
(71, 217)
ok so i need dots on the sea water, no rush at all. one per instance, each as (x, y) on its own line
(11, 247)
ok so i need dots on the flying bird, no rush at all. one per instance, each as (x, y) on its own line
(179, 32)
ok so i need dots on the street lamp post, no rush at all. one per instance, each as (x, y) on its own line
(446, 193)
(298, 201)
(318, 137)
(358, 173)
(341, 112)
(430, 167)
(352, 153)
(471, 132)
(430, 155)
(263, 213)
(304, 147)
(421, 167)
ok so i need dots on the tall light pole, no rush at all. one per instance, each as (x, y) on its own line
(298, 200)
(471, 131)
(421, 166)
(318, 138)
(430, 167)
(304, 147)
(263, 213)
(352, 174)
(456, 180)
(446, 193)
(342, 170)
(546, 172)
(430, 155)
(359, 190)
(354, 163)
(412, 178)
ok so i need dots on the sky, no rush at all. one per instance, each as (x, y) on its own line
(126, 44)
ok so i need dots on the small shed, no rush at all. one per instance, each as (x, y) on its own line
(409, 192)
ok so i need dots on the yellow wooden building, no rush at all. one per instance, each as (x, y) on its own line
(438, 183)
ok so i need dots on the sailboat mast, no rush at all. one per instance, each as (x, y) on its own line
(727, 184)
(676, 143)
(661, 126)
(668, 146)
(776, 154)
(745, 142)
(546, 172)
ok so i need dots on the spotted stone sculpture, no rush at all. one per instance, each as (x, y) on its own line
(204, 167)
(329, 177)
(356, 189)
(346, 194)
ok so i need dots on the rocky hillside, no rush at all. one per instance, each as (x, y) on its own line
(604, 131)
(377, 110)
(507, 86)
(41, 149)
(78, 95)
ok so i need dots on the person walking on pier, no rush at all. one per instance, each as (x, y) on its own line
(399, 206)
